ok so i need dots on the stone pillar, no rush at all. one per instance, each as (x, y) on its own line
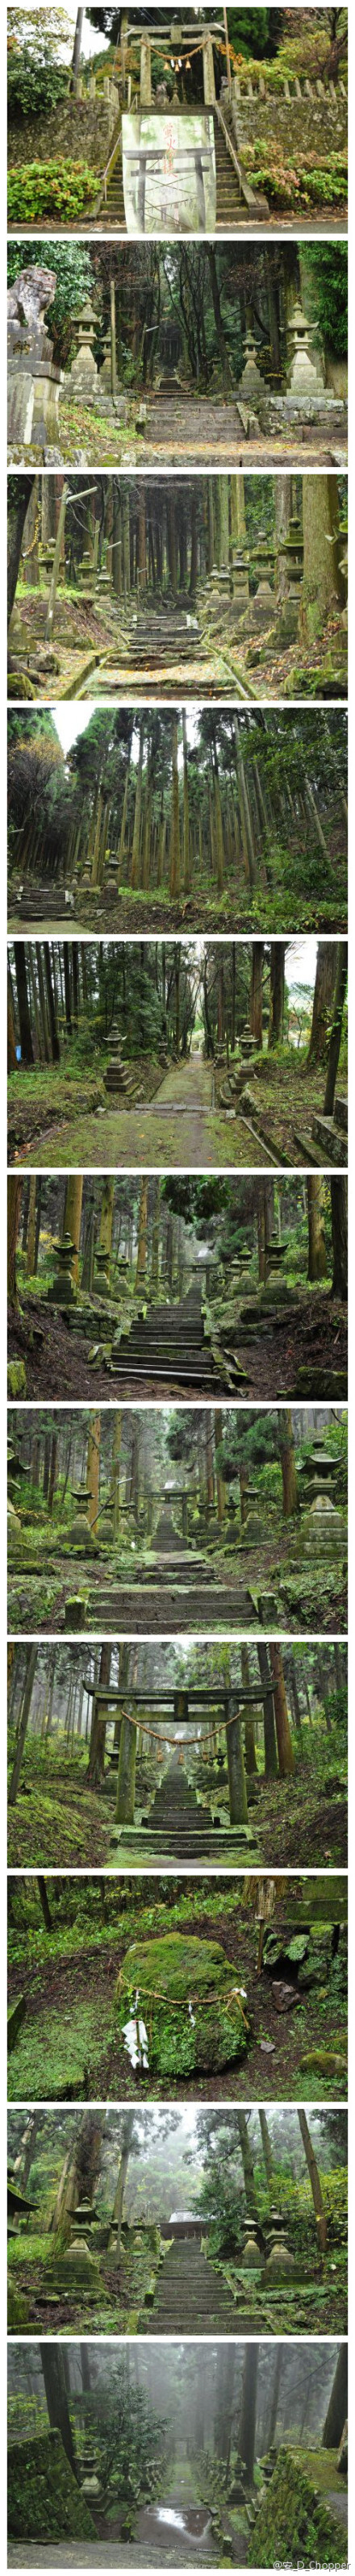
(238, 1799)
(126, 1773)
(209, 90)
(146, 73)
(181, 1707)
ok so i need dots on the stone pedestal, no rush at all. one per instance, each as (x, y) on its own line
(323, 1531)
(33, 398)
(33, 382)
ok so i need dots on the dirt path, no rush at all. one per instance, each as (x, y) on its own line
(179, 1127)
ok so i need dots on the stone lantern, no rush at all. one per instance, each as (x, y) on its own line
(262, 606)
(291, 556)
(62, 1291)
(106, 369)
(251, 383)
(304, 377)
(322, 1524)
(116, 1076)
(80, 1528)
(102, 1271)
(279, 2263)
(317, 1472)
(240, 580)
(251, 2257)
(84, 377)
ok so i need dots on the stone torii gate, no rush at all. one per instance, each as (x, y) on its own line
(182, 1704)
(180, 41)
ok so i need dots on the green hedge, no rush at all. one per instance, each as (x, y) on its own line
(59, 188)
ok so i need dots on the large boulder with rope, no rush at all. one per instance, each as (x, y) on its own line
(181, 2006)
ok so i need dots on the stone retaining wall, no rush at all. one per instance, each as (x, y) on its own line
(302, 118)
(44, 2500)
(81, 129)
(291, 2509)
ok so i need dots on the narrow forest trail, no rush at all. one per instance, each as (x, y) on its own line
(179, 1126)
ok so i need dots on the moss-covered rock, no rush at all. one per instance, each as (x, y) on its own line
(193, 2009)
(17, 2310)
(16, 2016)
(44, 2501)
(294, 2527)
(323, 2061)
(16, 1378)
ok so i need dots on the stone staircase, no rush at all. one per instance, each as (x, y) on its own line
(113, 207)
(43, 902)
(163, 634)
(182, 1587)
(190, 2297)
(189, 423)
(231, 209)
(180, 1826)
(168, 1344)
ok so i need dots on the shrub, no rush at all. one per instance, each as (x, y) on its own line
(65, 189)
(321, 183)
(35, 83)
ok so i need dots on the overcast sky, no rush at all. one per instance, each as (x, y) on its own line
(92, 40)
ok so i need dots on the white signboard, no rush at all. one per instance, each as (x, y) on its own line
(169, 173)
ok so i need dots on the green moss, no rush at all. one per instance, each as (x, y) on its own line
(323, 2061)
(76, 2269)
(294, 2527)
(17, 2310)
(47, 2059)
(16, 1378)
(44, 2501)
(189, 1997)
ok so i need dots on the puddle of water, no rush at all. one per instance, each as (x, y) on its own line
(193, 2521)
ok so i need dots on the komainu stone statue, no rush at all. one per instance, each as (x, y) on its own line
(28, 298)
(33, 380)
